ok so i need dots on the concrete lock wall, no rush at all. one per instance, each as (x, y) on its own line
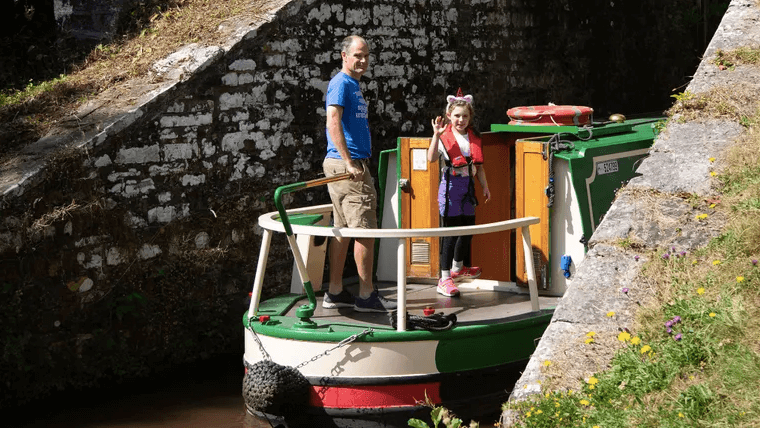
(135, 246)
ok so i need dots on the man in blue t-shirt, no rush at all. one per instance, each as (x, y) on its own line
(349, 147)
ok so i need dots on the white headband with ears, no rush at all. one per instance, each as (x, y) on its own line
(451, 98)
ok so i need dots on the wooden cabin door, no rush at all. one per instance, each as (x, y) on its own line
(493, 252)
(419, 206)
(531, 180)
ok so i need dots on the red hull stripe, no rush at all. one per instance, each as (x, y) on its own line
(355, 397)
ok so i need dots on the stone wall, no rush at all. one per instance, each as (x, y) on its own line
(135, 248)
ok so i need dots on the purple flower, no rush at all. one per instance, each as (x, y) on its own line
(754, 262)
(669, 324)
(637, 258)
(673, 248)
(677, 337)
(666, 256)
(676, 319)
(683, 253)
(624, 290)
(669, 330)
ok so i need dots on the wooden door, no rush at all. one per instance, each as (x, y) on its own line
(531, 180)
(419, 206)
(493, 252)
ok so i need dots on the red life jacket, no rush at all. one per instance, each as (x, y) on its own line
(452, 148)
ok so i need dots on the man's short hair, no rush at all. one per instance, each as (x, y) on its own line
(346, 44)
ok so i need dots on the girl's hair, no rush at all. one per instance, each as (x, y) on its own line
(460, 103)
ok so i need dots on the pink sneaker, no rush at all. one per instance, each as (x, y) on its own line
(467, 273)
(447, 288)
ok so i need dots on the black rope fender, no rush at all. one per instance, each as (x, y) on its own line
(434, 322)
(275, 389)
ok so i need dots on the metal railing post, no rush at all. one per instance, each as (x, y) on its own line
(531, 271)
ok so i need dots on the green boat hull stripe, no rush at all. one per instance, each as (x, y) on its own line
(282, 327)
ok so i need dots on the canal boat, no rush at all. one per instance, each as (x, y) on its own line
(553, 173)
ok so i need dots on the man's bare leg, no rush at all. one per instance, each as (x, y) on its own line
(364, 252)
(338, 253)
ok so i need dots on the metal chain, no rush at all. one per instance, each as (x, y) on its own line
(342, 343)
(258, 341)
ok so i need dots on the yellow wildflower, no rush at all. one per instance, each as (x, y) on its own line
(624, 336)
(701, 290)
(547, 363)
(591, 387)
(693, 262)
(713, 173)
(635, 340)
(712, 159)
(539, 411)
(712, 205)
(716, 262)
(589, 340)
(680, 415)
(556, 404)
(593, 381)
(611, 314)
(591, 334)
(712, 314)
(645, 349)
(701, 216)
(527, 415)
(585, 402)
(739, 279)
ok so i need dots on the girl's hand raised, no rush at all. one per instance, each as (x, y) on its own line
(438, 125)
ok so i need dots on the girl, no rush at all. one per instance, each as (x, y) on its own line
(459, 145)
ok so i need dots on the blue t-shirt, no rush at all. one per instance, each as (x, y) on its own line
(344, 91)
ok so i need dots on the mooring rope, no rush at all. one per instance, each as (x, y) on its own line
(434, 322)
(555, 144)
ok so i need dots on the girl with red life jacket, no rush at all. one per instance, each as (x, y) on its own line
(457, 142)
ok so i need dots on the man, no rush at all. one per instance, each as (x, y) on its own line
(349, 148)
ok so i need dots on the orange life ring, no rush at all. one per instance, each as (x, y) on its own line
(550, 115)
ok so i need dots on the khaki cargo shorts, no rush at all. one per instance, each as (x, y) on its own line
(354, 202)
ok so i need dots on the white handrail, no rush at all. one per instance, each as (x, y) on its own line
(269, 223)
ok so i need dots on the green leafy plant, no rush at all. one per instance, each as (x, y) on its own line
(683, 96)
(31, 90)
(440, 415)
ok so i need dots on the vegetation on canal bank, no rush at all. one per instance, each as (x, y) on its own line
(32, 101)
(693, 358)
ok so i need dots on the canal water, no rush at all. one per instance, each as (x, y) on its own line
(203, 395)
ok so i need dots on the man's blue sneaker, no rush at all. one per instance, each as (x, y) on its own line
(344, 299)
(374, 303)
